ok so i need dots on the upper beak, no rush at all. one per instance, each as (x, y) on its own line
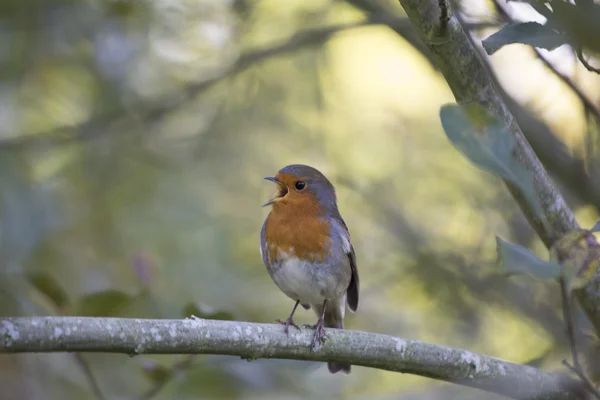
(276, 195)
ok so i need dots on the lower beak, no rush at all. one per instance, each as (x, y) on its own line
(276, 196)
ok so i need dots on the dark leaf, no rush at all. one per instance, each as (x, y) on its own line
(156, 373)
(596, 228)
(47, 285)
(515, 259)
(488, 145)
(103, 304)
(531, 33)
(202, 311)
(580, 21)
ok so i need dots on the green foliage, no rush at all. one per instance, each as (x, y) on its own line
(531, 33)
(488, 144)
(46, 284)
(567, 23)
(515, 260)
(578, 21)
(573, 257)
(102, 304)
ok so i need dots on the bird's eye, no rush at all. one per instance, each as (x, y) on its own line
(300, 185)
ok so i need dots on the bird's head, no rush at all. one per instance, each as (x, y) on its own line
(302, 186)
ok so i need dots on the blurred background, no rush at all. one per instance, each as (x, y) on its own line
(134, 138)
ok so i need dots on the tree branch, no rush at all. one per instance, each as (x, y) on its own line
(471, 82)
(252, 341)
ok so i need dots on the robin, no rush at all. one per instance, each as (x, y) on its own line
(305, 245)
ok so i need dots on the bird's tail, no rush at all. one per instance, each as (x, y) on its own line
(334, 318)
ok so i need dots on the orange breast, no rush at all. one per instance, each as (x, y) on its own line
(296, 230)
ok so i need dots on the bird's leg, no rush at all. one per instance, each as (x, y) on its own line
(290, 321)
(319, 336)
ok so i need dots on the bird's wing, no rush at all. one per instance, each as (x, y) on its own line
(353, 288)
(264, 247)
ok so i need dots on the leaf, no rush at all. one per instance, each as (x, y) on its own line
(103, 304)
(531, 33)
(515, 259)
(596, 228)
(488, 145)
(203, 311)
(579, 21)
(47, 285)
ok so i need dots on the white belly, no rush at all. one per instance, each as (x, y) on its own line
(310, 283)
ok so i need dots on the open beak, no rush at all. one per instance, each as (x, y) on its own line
(279, 194)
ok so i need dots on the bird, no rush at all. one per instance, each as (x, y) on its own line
(306, 248)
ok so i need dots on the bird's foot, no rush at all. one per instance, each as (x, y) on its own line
(287, 323)
(319, 336)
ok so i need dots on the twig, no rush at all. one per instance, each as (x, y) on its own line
(589, 385)
(568, 316)
(89, 375)
(585, 62)
(508, 13)
(571, 170)
(175, 369)
(153, 111)
(55, 309)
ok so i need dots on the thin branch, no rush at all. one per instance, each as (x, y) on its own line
(89, 375)
(570, 170)
(175, 369)
(156, 110)
(568, 317)
(588, 384)
(252, 341)
(55, 309)
(510, 15)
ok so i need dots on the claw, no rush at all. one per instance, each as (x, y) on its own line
(290, 321)
(319, 336)
(287, 323)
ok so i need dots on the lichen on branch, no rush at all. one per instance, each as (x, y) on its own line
(253, 341)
